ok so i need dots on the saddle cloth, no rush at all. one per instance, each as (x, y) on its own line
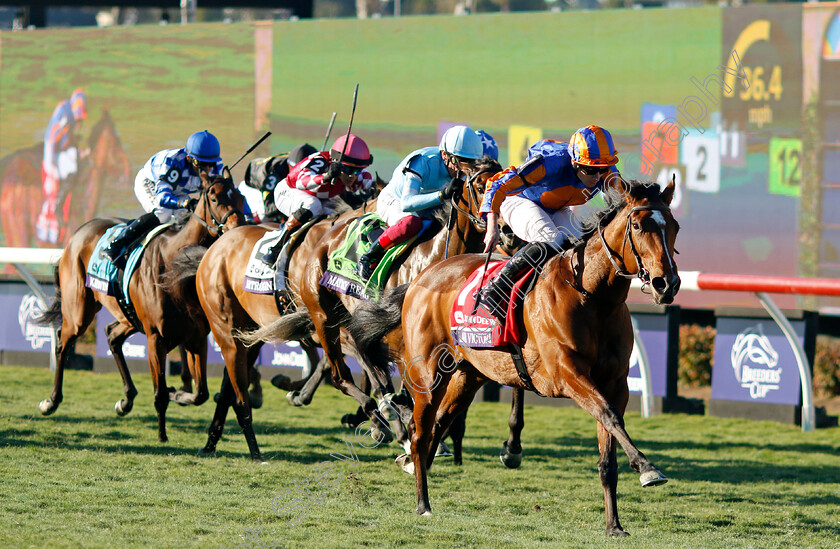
(259, 277)
(340, 275)
(481, 329)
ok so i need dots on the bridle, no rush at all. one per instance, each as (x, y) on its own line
(643, 274)
(219, 228)
(474, 201)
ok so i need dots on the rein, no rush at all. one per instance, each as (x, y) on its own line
(643, 273)
(474, 203)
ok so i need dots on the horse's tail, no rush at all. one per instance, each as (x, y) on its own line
(52, 316)
(372, 321)
(289, 327)
(179, 280)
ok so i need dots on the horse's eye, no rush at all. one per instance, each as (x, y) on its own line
(636, 226)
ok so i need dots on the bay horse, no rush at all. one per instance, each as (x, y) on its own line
(326, 311)
(578, 335)
(21, 192)
(164, 318)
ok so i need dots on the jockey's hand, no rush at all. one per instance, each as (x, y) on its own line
(187, 203)
(449, 190)
(332, 172)
(491, 237)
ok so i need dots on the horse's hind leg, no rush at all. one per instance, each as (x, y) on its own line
(76, 316)
(456, 431)
(303, 396)
(117, 333)
(157, 360)
(255, 394)
(194, 361)
(511, 454)
(217, 426)
(186, 375)
(608, 471)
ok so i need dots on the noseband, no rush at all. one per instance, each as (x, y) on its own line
(219, 228)
(643, 274)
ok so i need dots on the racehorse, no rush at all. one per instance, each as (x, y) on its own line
(21, 192)
(326, 311)
(578, 335)
(161, 314)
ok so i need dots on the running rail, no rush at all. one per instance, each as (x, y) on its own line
(761, 286)
(18, 257)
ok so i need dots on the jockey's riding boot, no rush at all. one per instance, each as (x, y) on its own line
(270, 257)
(496, 295)
(364, 269)
(132, 232)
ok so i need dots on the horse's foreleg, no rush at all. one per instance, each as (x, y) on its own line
(304, 396)
(157, 361)
(608, 471)
(457, 429)
(217, 426)
(511, 454)
(255, 394)
(186, 374)
(238, 371)
(117, 333)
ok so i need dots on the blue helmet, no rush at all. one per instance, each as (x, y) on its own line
(462, 141)
(489, 145)
(204, 147)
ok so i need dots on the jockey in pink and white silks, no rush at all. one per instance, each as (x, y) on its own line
(313, 184)
(61, 164)
(421, 183)
(535, 200)
(165, 183)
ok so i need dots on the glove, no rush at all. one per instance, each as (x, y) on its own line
(187, 203)
(333, 171)
(449, 190)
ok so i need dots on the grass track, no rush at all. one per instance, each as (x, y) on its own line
(86, 478)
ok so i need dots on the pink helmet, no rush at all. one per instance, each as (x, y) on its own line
(356, 153)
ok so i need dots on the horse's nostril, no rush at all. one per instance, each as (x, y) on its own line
(659, 284)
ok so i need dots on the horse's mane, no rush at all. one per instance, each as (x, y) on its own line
(99, 127)
(485, 163)
(616, 198)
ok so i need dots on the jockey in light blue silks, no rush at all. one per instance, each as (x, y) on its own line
(421, 183)
(164, 184)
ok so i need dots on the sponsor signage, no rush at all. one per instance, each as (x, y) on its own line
(20, 332)
(654, 333)
(753, 362)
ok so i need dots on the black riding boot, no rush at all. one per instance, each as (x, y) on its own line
(270, 256)
(132, 232)
(496, 295)
(364, 269)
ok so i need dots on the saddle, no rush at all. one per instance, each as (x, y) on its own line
(362, 233)
(110, 278)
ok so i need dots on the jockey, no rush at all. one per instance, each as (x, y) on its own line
(61, 161)
(313, 183)
(262, 176)
(421, 183)
(164, 184)
(534, 200)
(488, 144)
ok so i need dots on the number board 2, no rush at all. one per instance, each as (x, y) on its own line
(700, 154)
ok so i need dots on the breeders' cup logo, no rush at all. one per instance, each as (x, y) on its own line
(755, 362)
(37, 336)
(634, 374)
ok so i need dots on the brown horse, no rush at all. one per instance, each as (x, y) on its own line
(578, 335)
(161, 315)
(21, 192)
(327, 311)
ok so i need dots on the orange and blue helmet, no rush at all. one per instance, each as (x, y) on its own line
(593, 146)
(78, 104)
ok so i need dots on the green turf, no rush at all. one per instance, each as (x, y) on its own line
(86, 478)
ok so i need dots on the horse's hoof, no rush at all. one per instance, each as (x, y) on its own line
(509, 459)
(387, 409)
(405, 463)
(617, 533)
(281, 382)
(122, 409)
(171, 389)
(443, 450)
(652, 478)
(382, 435)
(47, 407)
(256, 400)
(294, 398)
(426, 514)
(205, 452)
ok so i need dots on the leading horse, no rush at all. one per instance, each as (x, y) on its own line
(164, 318)
(578, 335)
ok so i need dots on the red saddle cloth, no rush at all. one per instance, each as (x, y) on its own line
(482, 329)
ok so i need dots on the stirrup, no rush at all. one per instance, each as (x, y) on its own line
(490, 300)
(363, 269)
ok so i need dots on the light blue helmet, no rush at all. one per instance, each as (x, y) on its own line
(488, 144)
(204, 147)
(462, 141)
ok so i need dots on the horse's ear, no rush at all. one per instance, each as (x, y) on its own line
(226, 173)
(668, 194)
